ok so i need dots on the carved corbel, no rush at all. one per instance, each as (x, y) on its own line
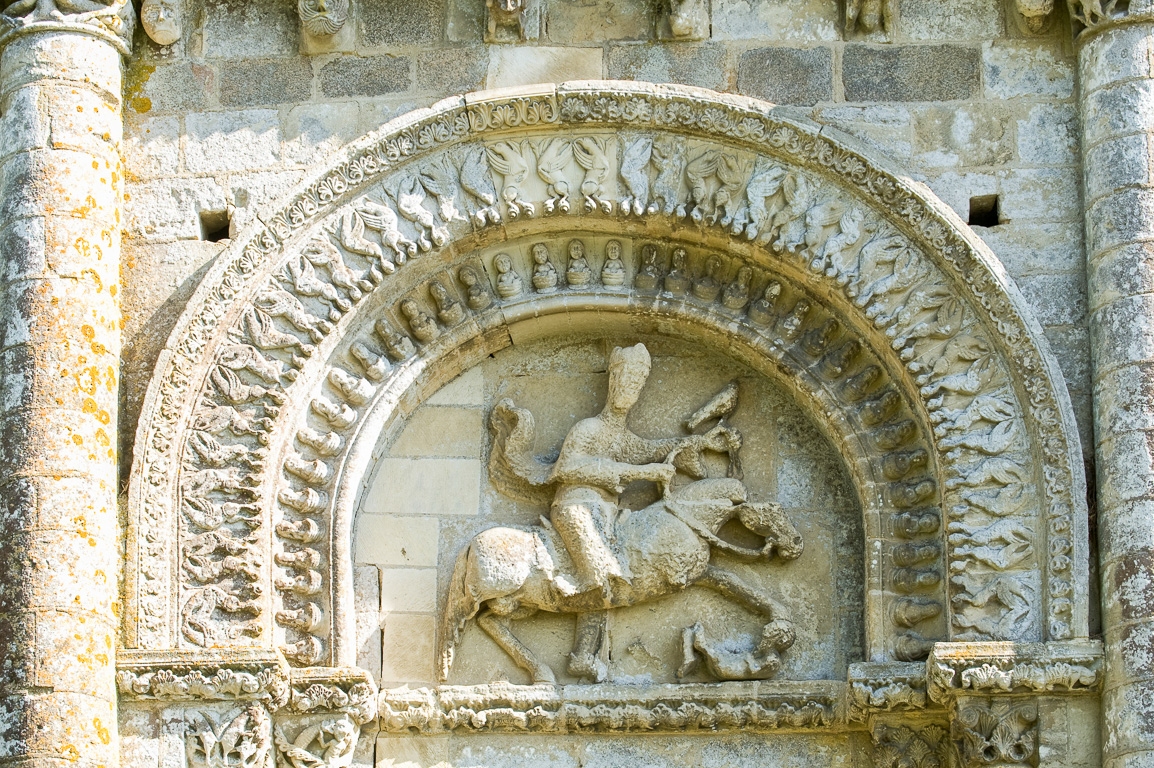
(683, 20)
(913, 745)
(109, 20)
(995, 732)
(239, 738)
(512, 21)
(162, 20)
(1034, 15)
(324, 26)
(882, 688)
(866, 17)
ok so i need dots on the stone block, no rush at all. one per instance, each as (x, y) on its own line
(151, 147)
(596, 21)
(947, 137)
(257, 83)
(176, 88)
(1125, 471)
(911, 73)
(1118, 109)
(791, 21)
(37, 724)
(700, 65)
(388, 540)
(955, 189)
(347, 76)
(1125, 400)
(1056, 299)
(367, 591)
(1031, 69)
(412, 751)
(250, 30)
(452, 70)
(169, 209)
(426, 487)
(1131, 713)
(442, 432)
(401, 22)
(312, 131)
(232, 141)
(515, 65)
(24, 122)
(1049, 135)
(1116, 163)
(61, 181)
(139, 738)
(1071, 346)
(1114, 336)
(407, 648)
(787, 75)
(408, 590)
(76, 651)
(1130, 647)
(1124, 217)
(1124, 271)
(377, 112)
(84, 120)
(1116, 54)
(959, 20)
(466, 389)
(1143, 759)
(465, 20)
(81, 60)
(1036, 247)
(1046, 194)
(888, 128)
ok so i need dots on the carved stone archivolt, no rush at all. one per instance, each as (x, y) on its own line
(455, 230)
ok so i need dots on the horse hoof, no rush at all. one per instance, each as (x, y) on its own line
(544, 676)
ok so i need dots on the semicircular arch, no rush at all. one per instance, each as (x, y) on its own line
(737, 222)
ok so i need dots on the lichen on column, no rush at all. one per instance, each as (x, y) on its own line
(1117, 83)
(60, 190)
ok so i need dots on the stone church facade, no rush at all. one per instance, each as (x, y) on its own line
(577, 383)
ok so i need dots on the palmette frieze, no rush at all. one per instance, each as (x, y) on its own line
(1003, 668)
(989, 399)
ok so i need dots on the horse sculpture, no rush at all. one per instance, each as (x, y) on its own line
(512, 572)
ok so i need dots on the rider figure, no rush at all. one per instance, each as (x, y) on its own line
(599, 457)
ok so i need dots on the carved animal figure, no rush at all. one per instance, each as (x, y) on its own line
(765, 183)
(553, 157)
(208, 515)
(635, 175)
(978, 591)
(217, 418)
(238, 357)
(475, 180)
(275, 302)
(327, 744)
(668, 158)
(214, 453)
(509, 160)
(242, 742)
(506, 572)
(381, 219)
(789, 222)
(592, 155)
(204, 481)
(322, 253)
(208, 556)
(199, 624)
(439, 178)
(410, 197)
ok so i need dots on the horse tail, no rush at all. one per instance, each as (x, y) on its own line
(460, 606)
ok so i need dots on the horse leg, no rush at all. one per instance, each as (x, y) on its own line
(497, 627)
(732, 587)
(583, 662)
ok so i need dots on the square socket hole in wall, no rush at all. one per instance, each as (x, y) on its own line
(214, 226)
(984, 211)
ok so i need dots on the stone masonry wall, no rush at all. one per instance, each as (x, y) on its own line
(232, 116)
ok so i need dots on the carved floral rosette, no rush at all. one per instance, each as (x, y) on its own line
(348, 302)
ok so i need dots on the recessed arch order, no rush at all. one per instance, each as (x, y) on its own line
(783, 242)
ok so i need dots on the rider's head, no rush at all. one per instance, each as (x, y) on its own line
(628, 370)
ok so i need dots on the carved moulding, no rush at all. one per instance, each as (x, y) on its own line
(608, 708)
(110, 20)
(1003, 668)
(302, 330)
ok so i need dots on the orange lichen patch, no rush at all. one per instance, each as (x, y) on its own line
(77, 439)
(70, 753)
(101, 731)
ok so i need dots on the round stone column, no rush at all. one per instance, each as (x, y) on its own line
(60, 190)
(1116, 61)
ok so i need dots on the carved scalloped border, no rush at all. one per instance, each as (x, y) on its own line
(688, 110)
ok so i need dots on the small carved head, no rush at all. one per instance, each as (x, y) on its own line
(540, 253)
(323, 18)
(679, 259)
(772, 291)
(576, 249)
(503, 263)
(161, 20)
(649, 255)
(439, 293)
(468, 276)
(410, 308)
(628, 372)
(613, 250)
(744, 276)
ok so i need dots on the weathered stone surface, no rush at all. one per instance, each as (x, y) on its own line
(452, 69)
(250, 30)
(510, 66)
(965, 20)
(949, 137)
(809, 21)
(392, 23)
(787, 75)
(911, 73)
(1016, 69)
(224, 141)
(700, 65)
(354, 76)
(251, 84)
(595, 21)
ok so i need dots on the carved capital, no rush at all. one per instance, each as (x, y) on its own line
(1001, 668)
(334, 691)
(997, 733)
(240, 738)
(910, 746)
(110, 20)
(875, 688)
(235, 675)
(1099, 14)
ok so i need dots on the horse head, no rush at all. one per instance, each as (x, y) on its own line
(768, 519)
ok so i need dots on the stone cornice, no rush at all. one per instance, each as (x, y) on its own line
(1002, 668)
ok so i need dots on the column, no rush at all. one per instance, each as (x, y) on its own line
(60, 191)
(1116, 70)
